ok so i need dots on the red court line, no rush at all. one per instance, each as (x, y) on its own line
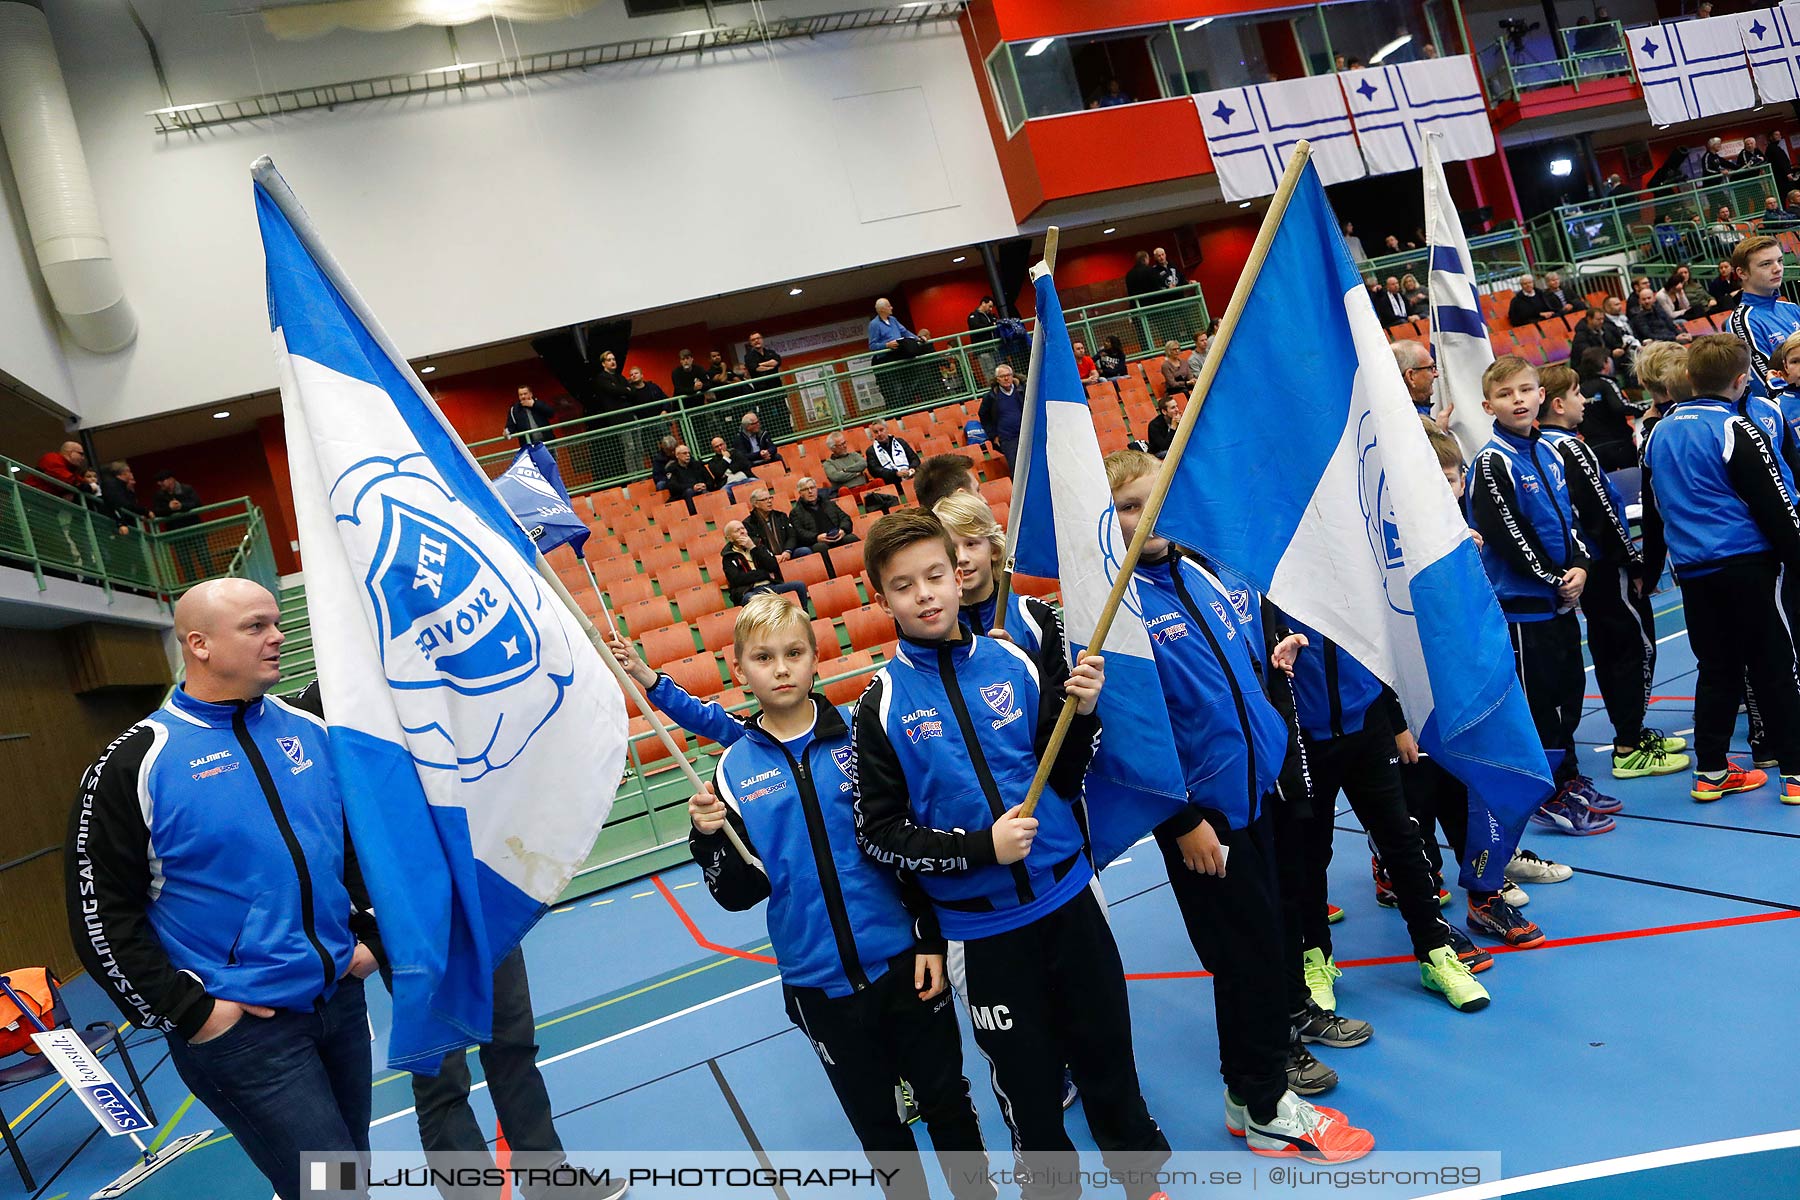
(1549, 944)
(694, 930)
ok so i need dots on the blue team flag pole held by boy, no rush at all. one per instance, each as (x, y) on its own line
(533, 490)
(1064, 528)
(475, 732)
(1346, 520)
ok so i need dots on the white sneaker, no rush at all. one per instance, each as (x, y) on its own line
(1514, 895)
(1526, 867)
(1300, 1129)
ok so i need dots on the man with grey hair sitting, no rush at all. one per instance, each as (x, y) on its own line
(819, 524)
(845, 468)
(754, 446)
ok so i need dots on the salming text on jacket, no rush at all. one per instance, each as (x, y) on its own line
(947, 738)
(207, 858)
(1715, 491)
(1518, 500)
(836, 917)
(1763, 323)
(1230, 739)
(1599, 509)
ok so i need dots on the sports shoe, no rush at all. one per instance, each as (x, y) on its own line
(1649, 757)
(1325, 1028)
(1596, 801)
(1473, 956)
(1565, 813)
(1384, 887)
(1445, 973)
(1071, 1093)
(1500, 920)
(1790, 789)
(1664, 742)
(1514, 895)
(1306, 1075)
(1333, 914)
(1320, 970)
(1300, 1130)
(1526, 867)
(904, 1104)
(1715, 785)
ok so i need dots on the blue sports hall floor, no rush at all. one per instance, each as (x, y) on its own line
(1642, 1052)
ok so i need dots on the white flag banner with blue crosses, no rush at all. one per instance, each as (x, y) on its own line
(1250, 132)
(1391, 105)
(1691, 70)
(1771, 37)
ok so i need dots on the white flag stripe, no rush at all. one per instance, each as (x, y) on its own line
(1250, 132)
(1392, 105)
(1459, 338)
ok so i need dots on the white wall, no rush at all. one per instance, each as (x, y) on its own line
(30, 353)
(472, 219)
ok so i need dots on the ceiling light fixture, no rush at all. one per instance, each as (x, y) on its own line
(1561, 167)
(1039, 46)
(220, 416)
(1244, 204)
(426, 370)
(960, 258)
(1110, 229)
(1202, 23)
(794, 291)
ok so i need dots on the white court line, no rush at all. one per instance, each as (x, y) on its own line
(1115, 862)
(1148, 837)
(1630, 1163)
(623, 1033)
(1659, 641)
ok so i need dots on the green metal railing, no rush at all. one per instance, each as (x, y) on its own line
(1668, 222)
(47, 528)
(600, 451)
(1590, 52)
(1502, 252)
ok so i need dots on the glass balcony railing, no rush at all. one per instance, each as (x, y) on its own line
(1673, 222)
(613, 448)
(1586, 53)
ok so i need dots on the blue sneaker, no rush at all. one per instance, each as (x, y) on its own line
(1597, 801)
(1565, 813)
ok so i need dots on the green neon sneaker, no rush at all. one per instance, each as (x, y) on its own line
(1669, 743)
(1444, 973)
(1320, 971)
(1649, 757)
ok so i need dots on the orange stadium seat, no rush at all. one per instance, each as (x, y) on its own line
(847, 561)
(678, 578)
(808, 569)
(845, 691)
(716, 628)
(666, 644)
(651, 750)
(834, 596)
(869, 627)
(646, 615)
(696, 602)
(825, 634)
(660, 558)
(626, 590)
(697, 675)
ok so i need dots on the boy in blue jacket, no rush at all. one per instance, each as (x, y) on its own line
(948, 738)
(862, 976)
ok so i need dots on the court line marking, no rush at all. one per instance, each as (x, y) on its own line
(694, 930)
(1628, 1164)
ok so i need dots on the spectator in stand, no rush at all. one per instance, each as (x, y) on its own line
(174, 506)
(750, 568)
(1197, 356)
(1354, 243)
(819, 524)
(983, 335)
(1773, 218)
(643, 391)
(890, 459)
(1614, 308)
(1418, 300)
(1673, 298)
(1724, 229)
(612, 393)
(1356, 64)
(1002, 411)
(1167, 274)
(1110, 362)
(1782, 166)
(1529, 306)
(942, 474)
(1339, 63)
(1559, 301)
(1084, 363)
(728, 466)
(761, 364)
(1791, 205)
(688, 379)
(690, 476)
(1605, 426)
(661, 461)
(1372, 287)
(771, 528)
(1713, 162)
(950, 377)
(65, 465)
(886, 333)
(118, 492)
(1390, 305)
(1615, 185)
(1178, 377)
(1750, 159)
(1428, 50)
(527, 419)
(753, 445)
(1723, 287)
(1112, 95)
(1161, 434)
(1702, 11)
(1142, 279)
(1651, 324)
(1596, 332)
(718, 372)
(846, 468)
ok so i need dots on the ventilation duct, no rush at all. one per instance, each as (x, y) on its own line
(38, 126)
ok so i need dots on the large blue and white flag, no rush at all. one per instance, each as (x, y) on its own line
(1459, 336)
(1067, 531)
(533, 491)
(475, 734)
(1392, 106)
(1771, 38)
(1250, 131)
(1308, 474)
(1691, 70)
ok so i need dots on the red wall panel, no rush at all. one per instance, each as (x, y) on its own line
(223, 469)
(1018, 20)
(1081, 153)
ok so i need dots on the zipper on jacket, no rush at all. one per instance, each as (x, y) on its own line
(985, 777)
(1331, 688)
(1237, 694)
(240, 728)
(828, 876)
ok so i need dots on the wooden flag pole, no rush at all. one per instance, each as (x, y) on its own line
(629, 686)
(1240, 296)
(1021, 471)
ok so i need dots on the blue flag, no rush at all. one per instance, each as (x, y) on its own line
(475, 736)
(1067, 531)
(1309, 474)
(533, 489)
